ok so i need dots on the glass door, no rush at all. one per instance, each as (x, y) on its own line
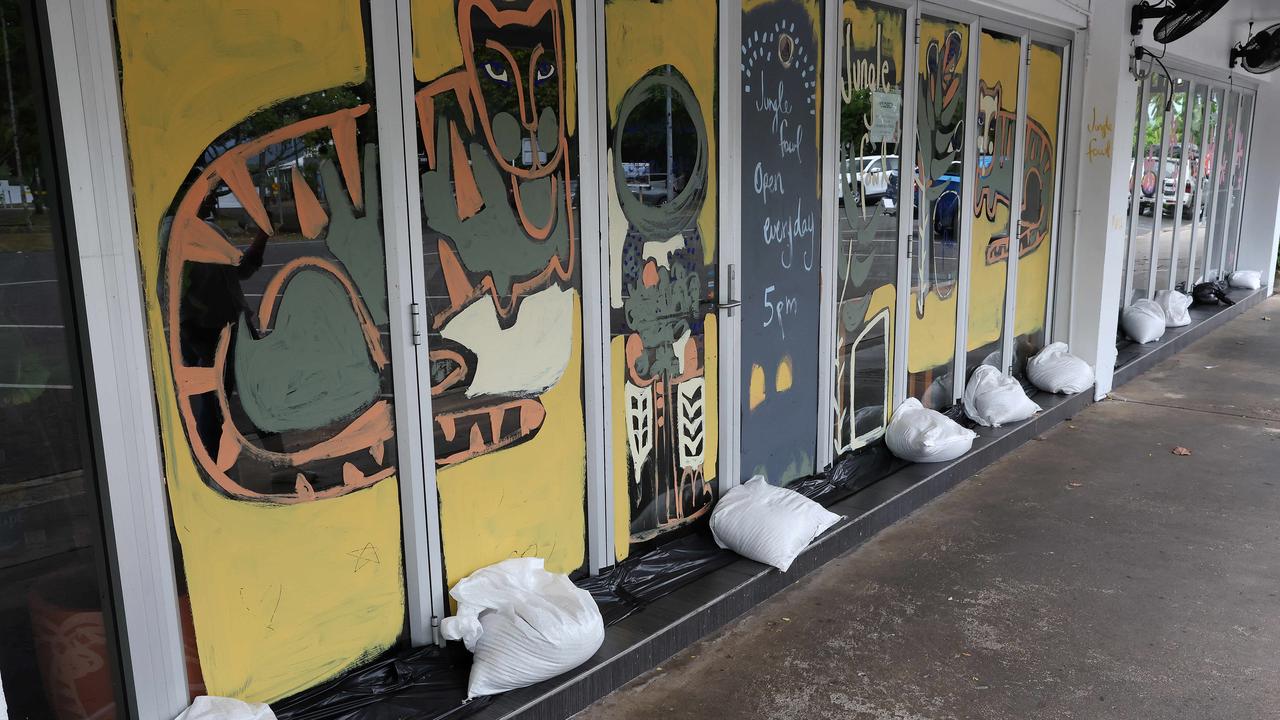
(1038, 220)
(662, 241)
(495, 93)
(939, 177)
(995, 175)
(1205, 185)
(781, 138)
(1189, 211)
(868, 189)
(1225, 155)
(1240, 155)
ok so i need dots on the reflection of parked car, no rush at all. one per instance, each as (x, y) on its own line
(1177, 171)
(872, 181)
(946, 209)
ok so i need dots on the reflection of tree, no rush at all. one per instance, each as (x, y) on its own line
(19, 139)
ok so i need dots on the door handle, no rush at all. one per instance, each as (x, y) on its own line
(729, 304)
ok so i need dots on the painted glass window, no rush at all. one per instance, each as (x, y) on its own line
(1148, 173)
(1237, 182)
(496, 101)
(872, 53)
(781, 58)
(58, 646)
(253, 149)
(661, 63)
(1199, 255)
(993, 176)
(1189, 105)
(935, 240)
(1036, 230)
(1222, 181)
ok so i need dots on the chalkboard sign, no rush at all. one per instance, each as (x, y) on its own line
(781, 163)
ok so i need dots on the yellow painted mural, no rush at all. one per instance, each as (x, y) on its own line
(290, 545)
(497, 108)
(993, 180)
(662, 255)
(935, 266)
(1040, 181)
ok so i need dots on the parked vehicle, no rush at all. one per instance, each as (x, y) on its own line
(1177, 171)
(872, 181)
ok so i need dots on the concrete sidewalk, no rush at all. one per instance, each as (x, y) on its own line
(1093, 574)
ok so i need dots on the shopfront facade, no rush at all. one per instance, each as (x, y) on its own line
(317, 308)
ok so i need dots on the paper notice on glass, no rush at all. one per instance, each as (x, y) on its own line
(886, 110)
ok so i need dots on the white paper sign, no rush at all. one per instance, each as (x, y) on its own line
(886, 107)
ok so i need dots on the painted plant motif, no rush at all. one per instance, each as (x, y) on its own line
(662, 316)
(283, 401)
(498, 199)
(940, 143)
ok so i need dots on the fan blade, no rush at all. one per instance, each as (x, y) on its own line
(1261, 54)
(1186, 16)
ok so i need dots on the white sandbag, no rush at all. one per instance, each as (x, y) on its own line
(1143, 321)
(1245, 279)
(1174, 304)
(768, 524)
(992, 398)
(523, 624)
(1055, 370)
(919, 434)
(212, 707)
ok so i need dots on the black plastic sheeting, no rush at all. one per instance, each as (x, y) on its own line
(431, 682)
(637, 581)
(427, 682)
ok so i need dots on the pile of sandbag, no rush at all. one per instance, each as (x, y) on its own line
(522, 624)
(1055, 370)
(213, 707)
(992, 398)
(1245, 279)
(768, 524)
(1175, 306)
(1143, 321)
(921, 435)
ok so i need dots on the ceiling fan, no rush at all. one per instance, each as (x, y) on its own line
(1177, 17)
(1260, 53)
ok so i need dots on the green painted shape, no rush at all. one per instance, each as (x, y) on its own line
(357, 241)
(548, 131)
(506, 135)
(492, 241)
(313, 367)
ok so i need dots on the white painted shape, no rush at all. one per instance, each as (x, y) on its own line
(639, 424)
(530, 356)
(690, 423)
(661, 251)
(679, 347)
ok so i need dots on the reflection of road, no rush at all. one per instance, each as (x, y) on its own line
(1164, 251)
(37, 405)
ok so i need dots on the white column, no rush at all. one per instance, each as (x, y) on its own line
(1101, 167)
(1260, 225)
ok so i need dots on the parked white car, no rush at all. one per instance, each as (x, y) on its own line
(872, 181)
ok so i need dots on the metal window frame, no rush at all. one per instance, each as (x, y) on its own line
(1056, 229)
(1205, 91)
(1157, 199)
(1247, 139)
(391, 49)
(829, 240)
(1219, 124)
(901, 335)
(88, 94)
(596, 337)
(1236, 170)
(1188, 107)
(1140, 148)
(729, 247)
